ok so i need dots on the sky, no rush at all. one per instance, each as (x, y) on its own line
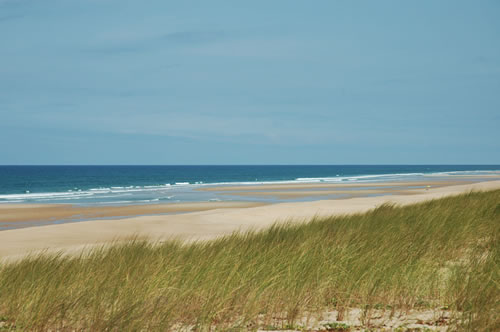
(249, 82)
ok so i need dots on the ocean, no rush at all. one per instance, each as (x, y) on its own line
(109, 185)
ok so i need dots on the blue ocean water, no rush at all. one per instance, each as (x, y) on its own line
(149, 184)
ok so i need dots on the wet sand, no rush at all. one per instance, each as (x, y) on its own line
(340, 185)
(337, 191)
(311, 191)
(18, 215)
(201, 225)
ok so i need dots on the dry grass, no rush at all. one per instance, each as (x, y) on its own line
(426, 256)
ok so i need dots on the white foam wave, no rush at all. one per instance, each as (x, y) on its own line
(45, 195)
(397, 176)
(360, 177)
(454, 173)
(109, 193)
(100, 189)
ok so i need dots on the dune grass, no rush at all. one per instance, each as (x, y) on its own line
(441, 253)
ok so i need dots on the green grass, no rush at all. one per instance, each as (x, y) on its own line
(442, 253)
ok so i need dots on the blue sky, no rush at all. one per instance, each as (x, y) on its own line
(249, 82)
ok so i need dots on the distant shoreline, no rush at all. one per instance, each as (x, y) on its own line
(204, 223)
(143, 185)
(22, 215)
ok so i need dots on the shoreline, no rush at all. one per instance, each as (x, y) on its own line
(80, 191)
(201, 225)
(21, 215)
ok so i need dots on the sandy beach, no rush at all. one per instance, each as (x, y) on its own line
(28, 215)
(262, 166)
(206, 221)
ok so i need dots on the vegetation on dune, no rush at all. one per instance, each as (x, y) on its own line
(442, 253)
